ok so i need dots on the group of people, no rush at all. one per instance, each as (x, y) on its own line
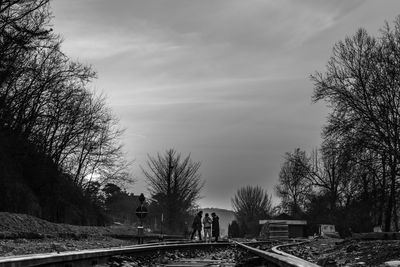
(211, 226)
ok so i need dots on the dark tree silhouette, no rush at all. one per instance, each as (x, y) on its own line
(251, 204)
(294, 185)
(44, 98)
(66, 140)
(175, 184)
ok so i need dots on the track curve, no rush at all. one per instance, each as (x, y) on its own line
(95, 257)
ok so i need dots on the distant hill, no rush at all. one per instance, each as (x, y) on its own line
(225, 218)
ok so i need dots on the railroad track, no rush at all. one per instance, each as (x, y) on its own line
(168, 254)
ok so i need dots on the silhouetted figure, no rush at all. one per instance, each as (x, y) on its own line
(207, 221)
(215, 226)
(186, 231)
(197, 225)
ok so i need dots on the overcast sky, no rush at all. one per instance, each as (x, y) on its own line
(224, 80)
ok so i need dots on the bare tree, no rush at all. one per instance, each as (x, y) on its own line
(329, 172)
(251, 204)
(294, 185)
(23, 24)
(174, 182)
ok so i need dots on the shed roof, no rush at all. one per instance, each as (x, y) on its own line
(288, 222)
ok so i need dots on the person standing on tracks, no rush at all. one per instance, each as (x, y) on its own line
(215, 226)
(207, 228)
(197, 225)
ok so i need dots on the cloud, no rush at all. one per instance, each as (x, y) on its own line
(234, 29)
(95, 44)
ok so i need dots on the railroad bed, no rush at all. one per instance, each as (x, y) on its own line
(167, 255)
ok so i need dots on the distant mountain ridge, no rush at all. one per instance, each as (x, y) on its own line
(225, 218)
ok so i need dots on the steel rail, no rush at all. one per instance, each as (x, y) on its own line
(275, 259)
(94, 256)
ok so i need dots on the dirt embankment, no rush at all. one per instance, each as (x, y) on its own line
(24, 226)
(23, 234)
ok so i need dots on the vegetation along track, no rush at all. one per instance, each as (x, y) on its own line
(166, 254)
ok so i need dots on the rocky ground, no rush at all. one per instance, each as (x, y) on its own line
(349, 252)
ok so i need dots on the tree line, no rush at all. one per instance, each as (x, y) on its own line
(45, 96)
(352, 180)
(50, 114)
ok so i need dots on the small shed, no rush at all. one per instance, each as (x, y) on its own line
(280, 229)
